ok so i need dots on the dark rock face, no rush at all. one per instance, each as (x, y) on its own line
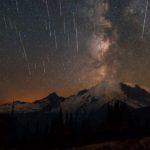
(82, 92)
(136, 93)
(50, 102)
(53, 97)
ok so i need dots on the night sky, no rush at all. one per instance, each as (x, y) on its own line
(64, 46)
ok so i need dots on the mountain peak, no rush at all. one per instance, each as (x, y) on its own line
(107, 89)
(52, 95)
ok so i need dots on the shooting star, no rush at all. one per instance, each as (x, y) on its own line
(74, 20)
(77, 40)
(60, 7)
(68, 39)
(24, 53)
(47, 8)
(5, 22)
(46, 28)
(145, 16)
(64, 25)
(50, 32)
(76, 32)
(55, 38)
(44, 70)
(17, 6)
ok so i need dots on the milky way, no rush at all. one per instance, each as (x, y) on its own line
(117, 49)
(67, 45)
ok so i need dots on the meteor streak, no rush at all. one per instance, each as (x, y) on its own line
(146, 9)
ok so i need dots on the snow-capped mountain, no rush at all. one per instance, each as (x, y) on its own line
(107, 107)
(105, 92)
(94, 97)
(91, 99)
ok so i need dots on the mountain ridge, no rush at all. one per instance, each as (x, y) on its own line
(102, 93)
(106, 111)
